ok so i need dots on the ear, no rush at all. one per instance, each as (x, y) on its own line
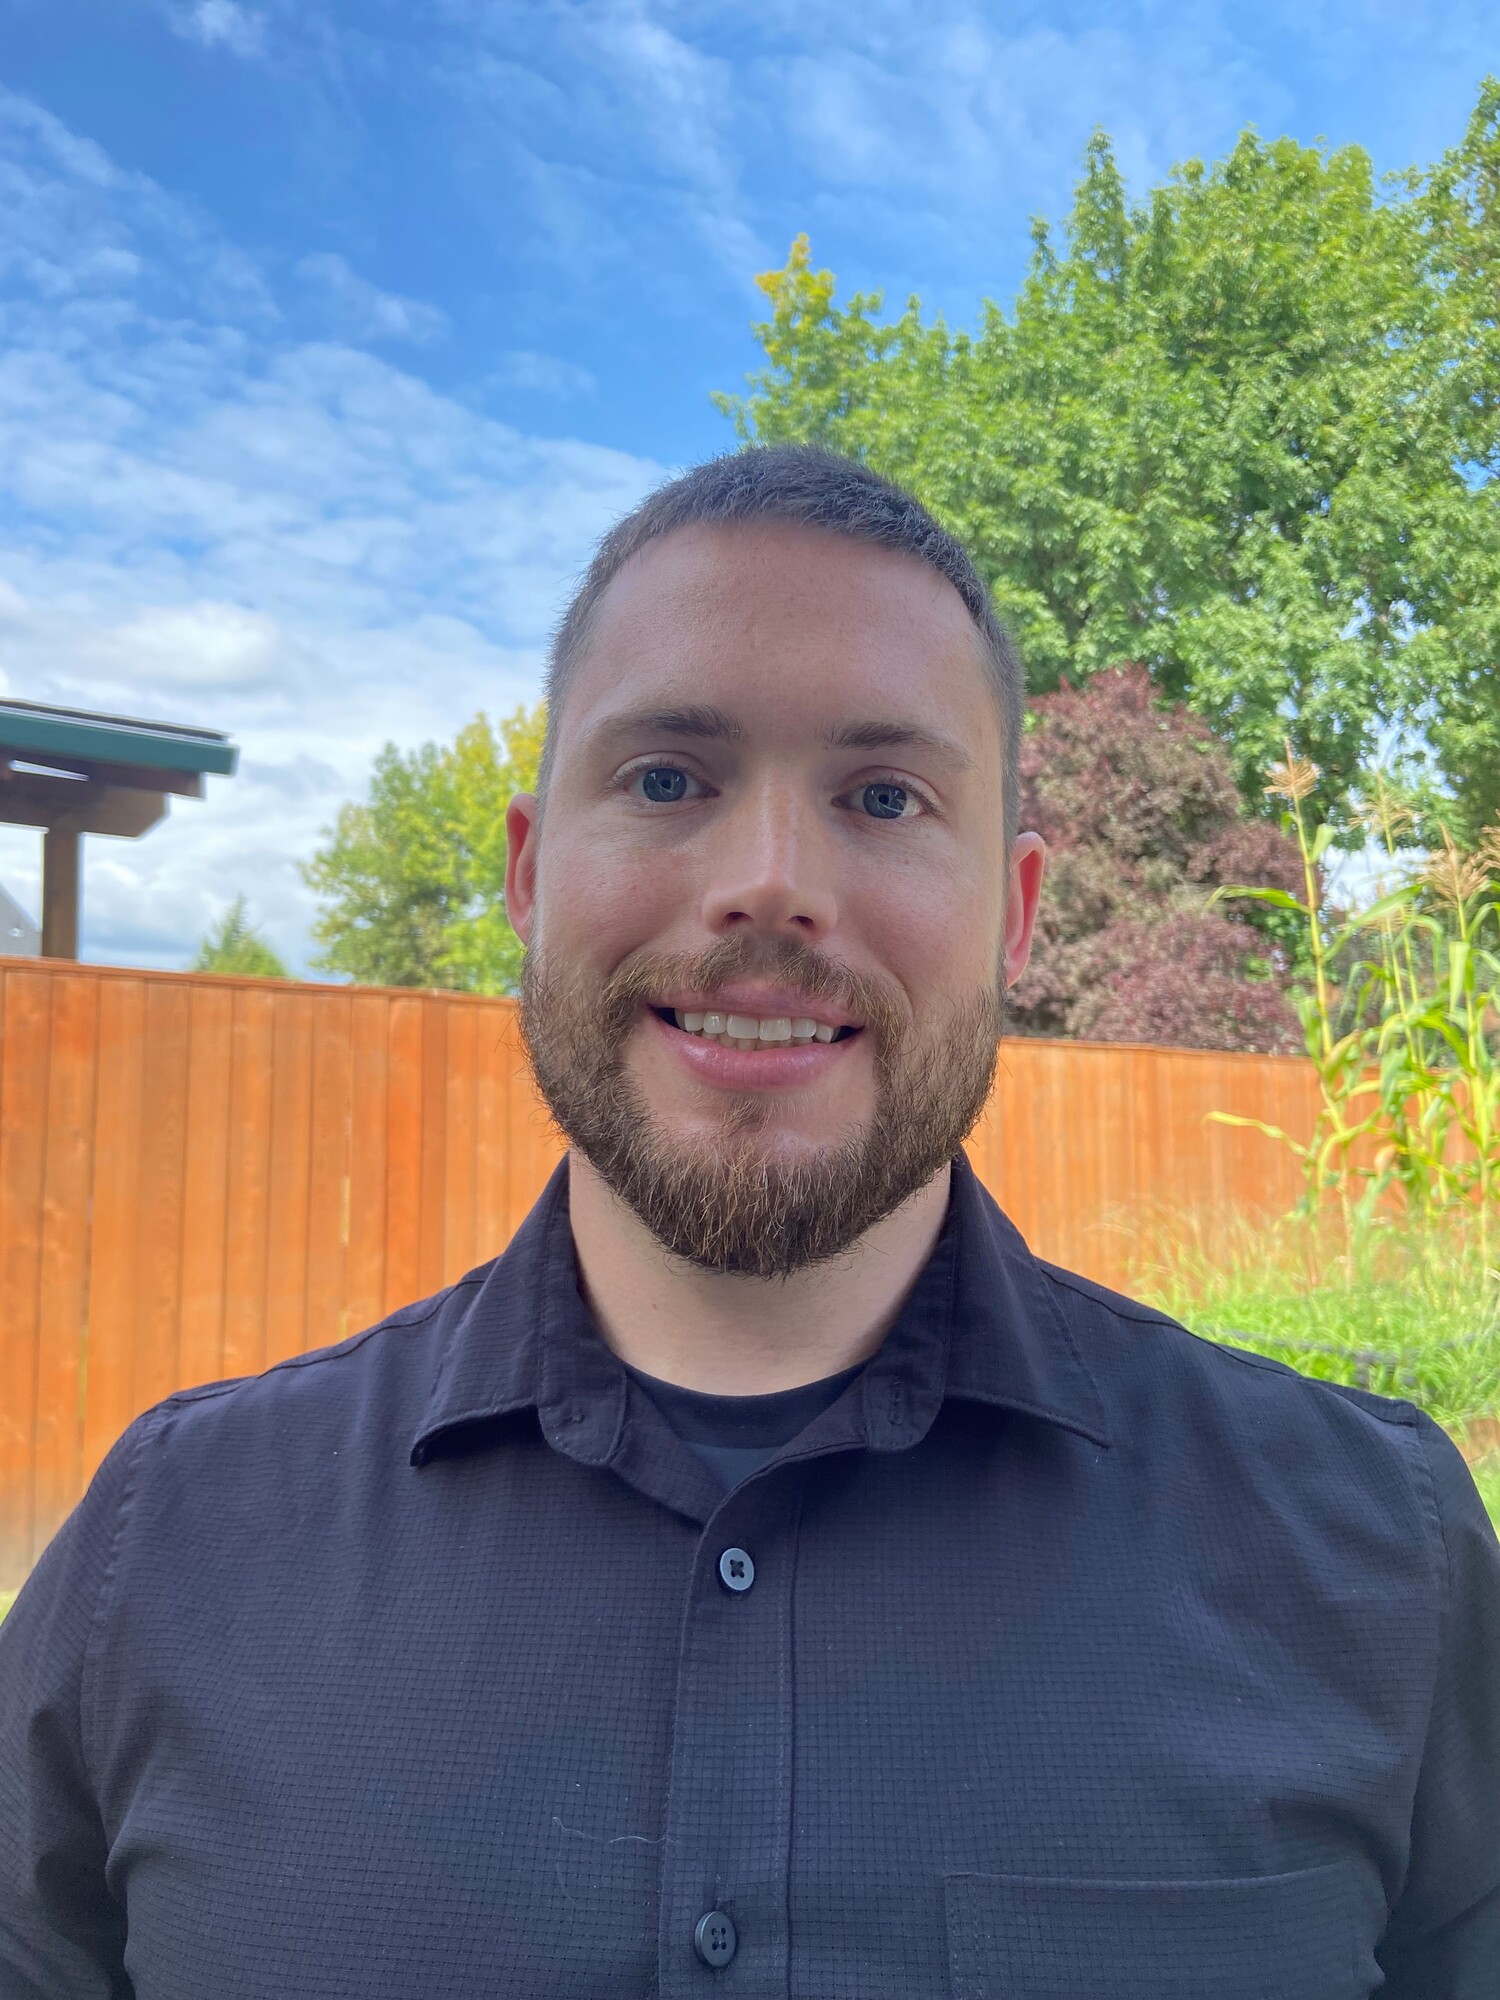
(1028, 861)
(522, 825)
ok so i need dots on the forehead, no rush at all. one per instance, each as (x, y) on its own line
(787, 625)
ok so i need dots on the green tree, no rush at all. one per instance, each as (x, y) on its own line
(1456, 641)
(412, 880)
(234, 944)
(1242, 432)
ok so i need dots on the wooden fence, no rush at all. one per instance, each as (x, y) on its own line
(201, 1175)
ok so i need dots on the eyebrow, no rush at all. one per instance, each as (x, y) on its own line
(897, 736)
(708, 724)
(715, 725)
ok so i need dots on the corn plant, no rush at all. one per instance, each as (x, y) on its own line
(1406, 1038)
(1350, 1109)
(1435, 989)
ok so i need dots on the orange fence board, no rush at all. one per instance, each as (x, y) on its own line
(24, 1083)
(110, 1337)
(63, 1269)
(325, 1271)
(199, 1175)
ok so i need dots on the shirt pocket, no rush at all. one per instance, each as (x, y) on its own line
(1257, 1937)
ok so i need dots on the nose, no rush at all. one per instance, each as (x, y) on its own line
(771, 868)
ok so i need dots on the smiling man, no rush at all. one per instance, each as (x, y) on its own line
(766, 1578)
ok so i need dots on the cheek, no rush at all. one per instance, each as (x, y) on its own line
(596, 901)
(935, 929)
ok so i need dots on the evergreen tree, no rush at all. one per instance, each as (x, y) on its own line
(234, 944)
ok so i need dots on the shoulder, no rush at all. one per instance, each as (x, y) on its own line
(377, 1377)
(1363, 1493)
(1239, 1420)
(222, 1479)
(1126, 1333)
(247, 1446)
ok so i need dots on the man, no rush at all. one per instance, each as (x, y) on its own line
(766, 1578)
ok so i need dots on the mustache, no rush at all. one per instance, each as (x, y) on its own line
(722, 1201)
(789, 961)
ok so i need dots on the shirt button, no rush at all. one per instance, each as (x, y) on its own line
(715, 1938)
(736, 1569)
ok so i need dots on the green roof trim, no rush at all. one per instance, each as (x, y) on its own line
(34, 731)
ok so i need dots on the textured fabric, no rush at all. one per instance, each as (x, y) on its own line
(1082, 1658)
(736, 1435)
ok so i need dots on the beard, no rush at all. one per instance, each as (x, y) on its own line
(732, 1201)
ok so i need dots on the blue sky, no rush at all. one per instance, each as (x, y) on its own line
(333, 336)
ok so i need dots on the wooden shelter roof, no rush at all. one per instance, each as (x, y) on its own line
(78, 733)
(71, 771)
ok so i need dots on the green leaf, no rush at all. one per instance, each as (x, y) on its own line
(1277, 899)
(1225, 431)
(1458, 969)
(1257, 1125)
(412, 879)
(234, 945)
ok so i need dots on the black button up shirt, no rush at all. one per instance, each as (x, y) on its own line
(1080, 1657)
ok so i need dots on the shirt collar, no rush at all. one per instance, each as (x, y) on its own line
(1011, 1345)
(982, 1325)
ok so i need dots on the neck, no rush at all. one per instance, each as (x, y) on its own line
(733, 1336)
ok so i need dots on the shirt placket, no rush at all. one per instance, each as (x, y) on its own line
(726, 1854)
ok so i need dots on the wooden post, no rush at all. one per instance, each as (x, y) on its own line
(60, 858)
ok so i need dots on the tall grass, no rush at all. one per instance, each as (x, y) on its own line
(1385, 1275)
(1487, 1478)
(1404, 1312)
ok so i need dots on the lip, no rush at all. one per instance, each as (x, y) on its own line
(787, 1066)
(762, 1003)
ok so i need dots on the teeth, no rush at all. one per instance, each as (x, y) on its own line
(743, 1031)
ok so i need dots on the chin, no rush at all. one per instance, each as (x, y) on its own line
(729, 1137)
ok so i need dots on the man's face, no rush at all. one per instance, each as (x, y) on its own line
(775, 808)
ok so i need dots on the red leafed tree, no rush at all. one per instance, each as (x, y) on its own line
(1142, 819)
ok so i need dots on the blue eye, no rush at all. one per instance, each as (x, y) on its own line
(663, 785)
(884, 801)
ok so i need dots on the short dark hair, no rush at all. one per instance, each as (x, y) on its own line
(809, 488)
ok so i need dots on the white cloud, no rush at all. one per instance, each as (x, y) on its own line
(361, 311)
(223, 24)
(957, 115)
(657, 134)
(541, 374)
(196, 647)
(205, 521)
(87, 247)
(610, 124)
